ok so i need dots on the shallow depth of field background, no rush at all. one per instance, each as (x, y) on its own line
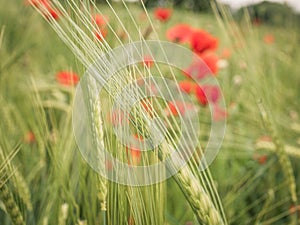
(52, 184)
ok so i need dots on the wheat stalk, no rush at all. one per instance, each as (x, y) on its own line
(23, 189)
(10, 205)
(281, 153)
(97, 123)
(5, 194)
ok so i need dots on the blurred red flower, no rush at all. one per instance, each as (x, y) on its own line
(261, 159)
(148, 61)
(187, 86)
(101, 34)
(211, 61)
(134, 154)
(51, 13)
(118, 117)
(226, 53)
(148, 107)
(202, 41)
(207, 93)
(198, 70)
(180, 33)
(29, 137)
(100, 20)
(45, 7)
(269, 39)
(162, 14)
(219, 113)
(178, 108)
(202, 68)
(212, 92)
(200, 95)
(67, 78)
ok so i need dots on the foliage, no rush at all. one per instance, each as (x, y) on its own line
(271, 13)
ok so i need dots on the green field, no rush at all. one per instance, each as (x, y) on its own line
(45, 180)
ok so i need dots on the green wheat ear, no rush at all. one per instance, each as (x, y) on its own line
(6, 195)
(10, 205)
(97, 127)
(281, 154)
(23, 189)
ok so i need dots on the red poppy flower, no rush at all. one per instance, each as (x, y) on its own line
(202, 68)
(187, 86)
(148, 61)
(202, 41)
(101, 34)
(212, 92)
(175, 109)
(211, 61)
(67, 78)
(100, 20)
(207, 93)
(197, 70)
(162, 14)
(29, 137)
(118, 117)
(180, 33)
(178, 108)
(261, 159)
(200, 95)
(45, 7)
(269, 39)
(134, 154)
(51, 13)
(219, 113)
(148, 107)
(226, 53)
